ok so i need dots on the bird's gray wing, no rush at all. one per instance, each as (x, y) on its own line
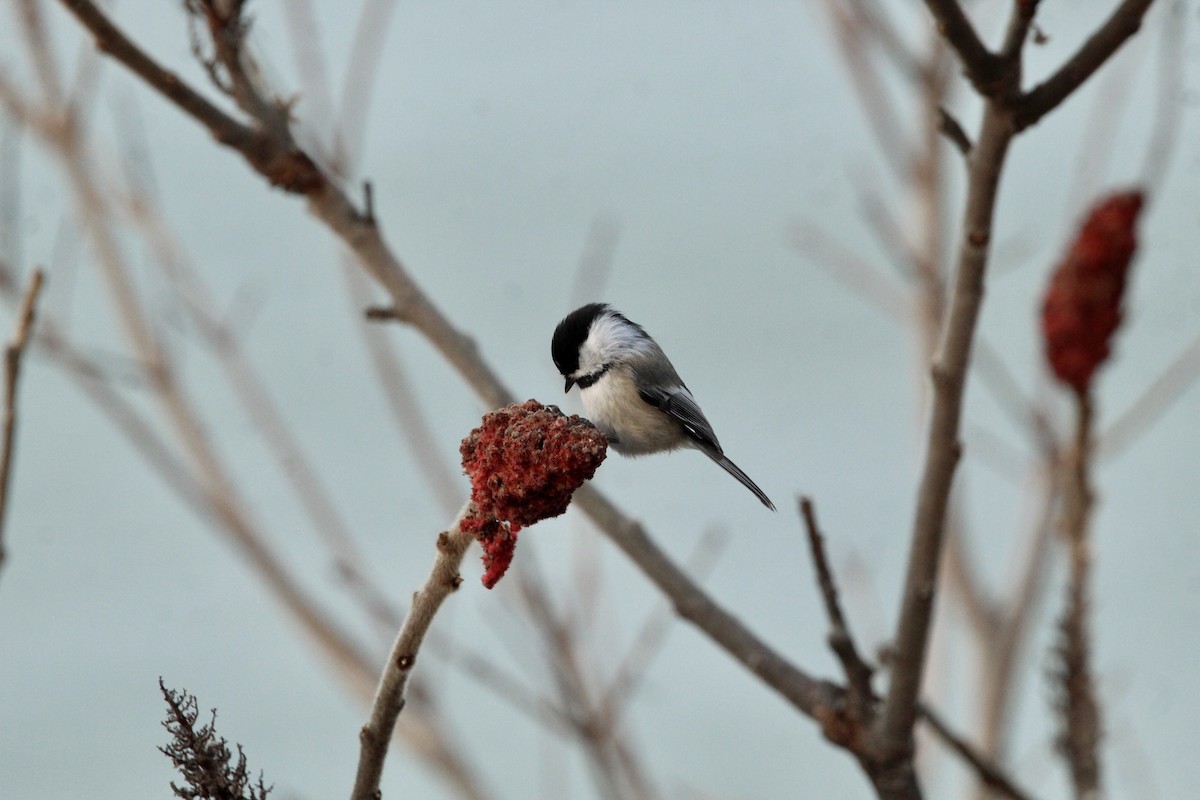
(679, 404)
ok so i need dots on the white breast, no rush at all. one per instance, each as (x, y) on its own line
(632, 425)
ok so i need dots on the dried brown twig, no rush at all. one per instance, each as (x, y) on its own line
(1080, 737)
(203, 758)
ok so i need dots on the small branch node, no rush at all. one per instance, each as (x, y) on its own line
(950, 127)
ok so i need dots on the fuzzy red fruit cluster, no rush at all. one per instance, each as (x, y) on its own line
(1082, 308)
(524, 461)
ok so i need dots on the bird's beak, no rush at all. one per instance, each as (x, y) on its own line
(570, 383)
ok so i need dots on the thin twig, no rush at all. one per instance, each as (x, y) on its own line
(952, 129)
(390, 694)
(987, 772)
(12, 372)
(858, 672)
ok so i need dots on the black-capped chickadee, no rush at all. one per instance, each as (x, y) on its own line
(631, 391)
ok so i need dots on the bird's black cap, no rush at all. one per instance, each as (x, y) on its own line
(569, 335)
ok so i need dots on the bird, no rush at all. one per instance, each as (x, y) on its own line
(631, 391)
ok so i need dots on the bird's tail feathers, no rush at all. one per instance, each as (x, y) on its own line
(734, 470)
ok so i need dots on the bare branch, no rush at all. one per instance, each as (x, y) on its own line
(893, 730)
(12, 371)
(390, 694)
(982, 67)
(280, 162)
(335, 209)
(1124, 22)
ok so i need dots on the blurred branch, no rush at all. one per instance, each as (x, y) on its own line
(12, 371)
(334, 208)
(1004, 644)
(853, 39)
(649, 640)
(1149, 407)
(870, 17)
(402, 400)
(357, 86)
(260, 407)
(389, 700)
(617, 774)
(201, 478)
(846, 267)
(961, 576)
(45, 66)
(596, 261)
(1170, 99)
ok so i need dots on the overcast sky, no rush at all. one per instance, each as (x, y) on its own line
(501, 138)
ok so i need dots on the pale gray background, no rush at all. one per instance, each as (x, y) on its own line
(499, 132)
